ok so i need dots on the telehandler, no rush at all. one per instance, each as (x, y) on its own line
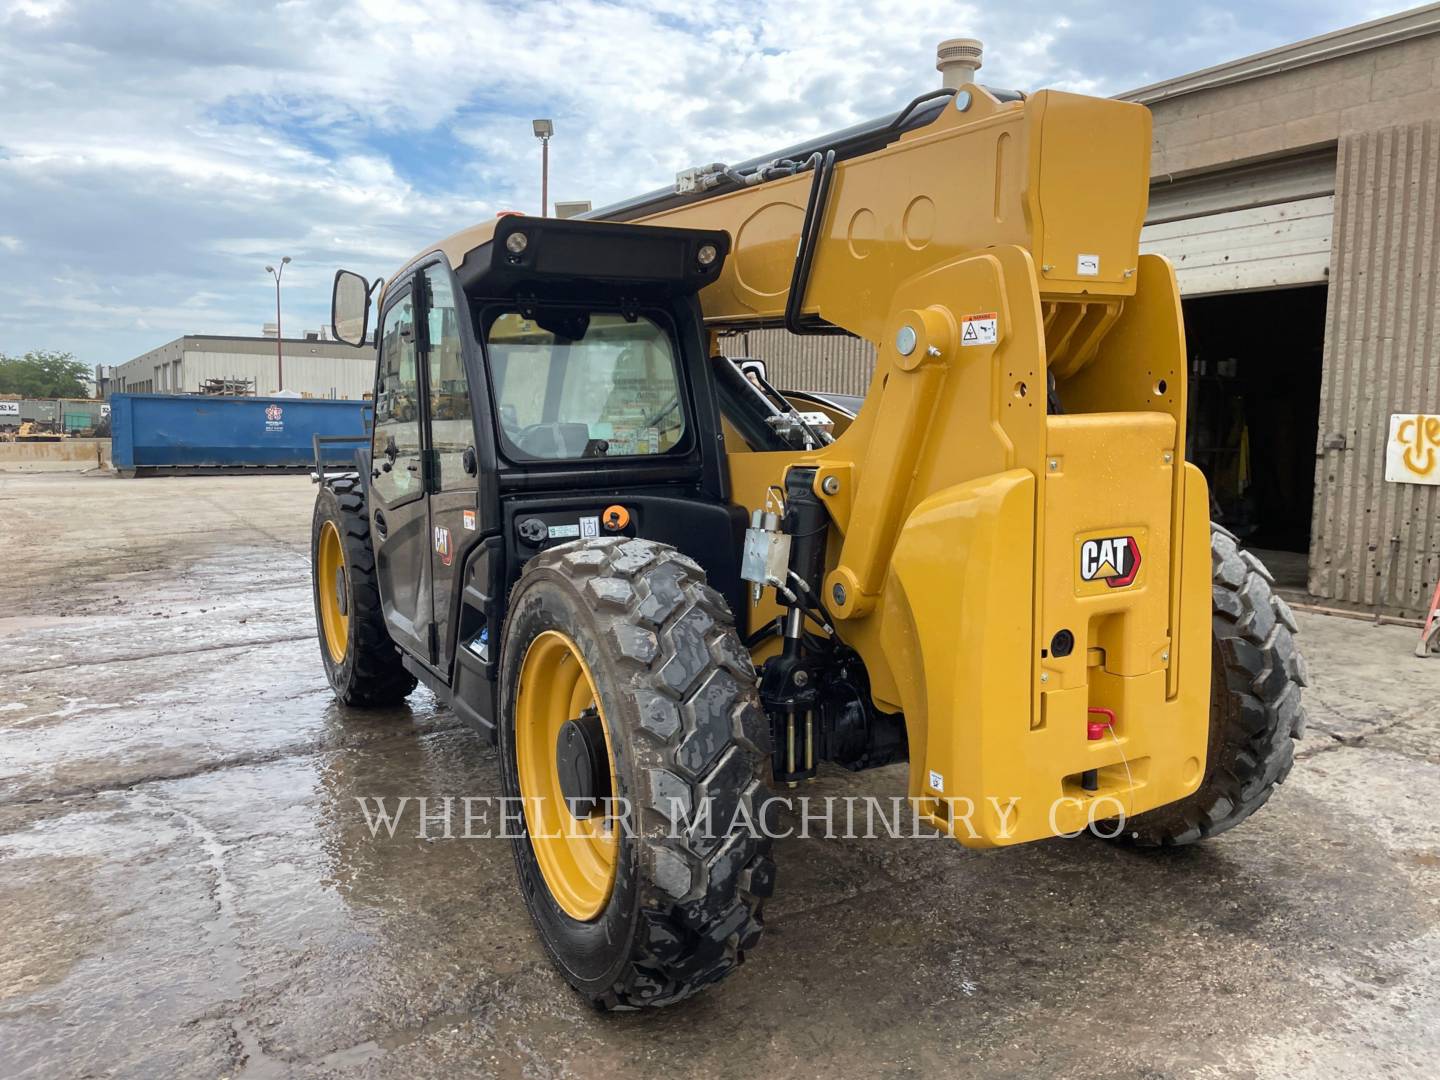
(665, 587)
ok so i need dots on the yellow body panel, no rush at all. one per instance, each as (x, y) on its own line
(964, 508)
(1059, 175)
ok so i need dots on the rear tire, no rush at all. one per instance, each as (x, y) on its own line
(678, 697)
(1255, 710)
(362, 663)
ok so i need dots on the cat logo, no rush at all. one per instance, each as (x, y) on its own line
(442, 545)
(1114, 560)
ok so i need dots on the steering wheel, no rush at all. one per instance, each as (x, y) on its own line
(655, 418)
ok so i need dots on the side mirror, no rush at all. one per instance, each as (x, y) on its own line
(350, 308)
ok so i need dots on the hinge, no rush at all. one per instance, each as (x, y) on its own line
(432, 470)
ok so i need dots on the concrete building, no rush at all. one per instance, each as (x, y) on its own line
(1296, 193)
(312, 366)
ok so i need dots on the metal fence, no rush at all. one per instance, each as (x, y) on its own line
(73, 416)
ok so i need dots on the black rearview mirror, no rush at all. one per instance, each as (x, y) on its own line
(350, 308)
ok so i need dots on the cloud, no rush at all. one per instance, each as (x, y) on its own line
(154, 156)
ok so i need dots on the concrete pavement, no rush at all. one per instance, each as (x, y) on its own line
(188, 888)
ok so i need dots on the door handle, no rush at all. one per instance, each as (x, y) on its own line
(380, 524)
(414, 467)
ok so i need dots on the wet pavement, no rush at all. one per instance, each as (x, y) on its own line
(188, 886)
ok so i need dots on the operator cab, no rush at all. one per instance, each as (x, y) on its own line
(546, 382)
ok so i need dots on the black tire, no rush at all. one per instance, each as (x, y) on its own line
(679, 696)
(1255, 710)
(371, 673)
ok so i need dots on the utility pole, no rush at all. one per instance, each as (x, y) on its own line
(543, 130)
(279, 334)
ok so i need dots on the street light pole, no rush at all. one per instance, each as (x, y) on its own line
(279, 334)
(543, 130)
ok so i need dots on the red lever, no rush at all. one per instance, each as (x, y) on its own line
(1095, 729)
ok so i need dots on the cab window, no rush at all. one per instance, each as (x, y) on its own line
(397, 405)
(451, 433)
(575, 384)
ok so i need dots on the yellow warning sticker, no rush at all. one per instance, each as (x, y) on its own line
(978, 329)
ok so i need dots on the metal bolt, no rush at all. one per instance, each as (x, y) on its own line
(932, 351)
(1047, 267)
(1165, 656)
(1169, 457)
(1044, 676)
(838, 592)
(830, 485)
(1054, 464)
(905, 340)
(801, 678)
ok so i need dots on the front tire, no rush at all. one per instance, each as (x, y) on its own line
(362, 664)
(656, 653)
(1255, 710)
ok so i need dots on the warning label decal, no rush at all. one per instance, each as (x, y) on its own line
(978, 329)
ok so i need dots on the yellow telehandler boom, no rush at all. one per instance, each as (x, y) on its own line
(985, 254)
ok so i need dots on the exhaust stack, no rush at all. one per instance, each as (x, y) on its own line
(957, 60)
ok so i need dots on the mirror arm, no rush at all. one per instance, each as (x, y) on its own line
(374, 290)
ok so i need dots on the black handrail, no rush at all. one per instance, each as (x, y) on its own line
(824, 168)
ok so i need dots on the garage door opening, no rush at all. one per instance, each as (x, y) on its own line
(1255, 363)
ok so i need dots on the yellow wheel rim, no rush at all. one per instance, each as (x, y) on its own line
(577, 856)
(333, 581)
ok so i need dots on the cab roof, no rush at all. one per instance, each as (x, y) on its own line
(514, 253)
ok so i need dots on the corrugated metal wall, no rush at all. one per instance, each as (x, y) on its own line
(821, 363)
(320, 376)
(1377, 543)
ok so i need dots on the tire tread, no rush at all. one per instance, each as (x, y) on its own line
(377, 676)
(1258, 710)
(673, 637)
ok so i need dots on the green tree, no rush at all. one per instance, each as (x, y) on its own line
(42, 373)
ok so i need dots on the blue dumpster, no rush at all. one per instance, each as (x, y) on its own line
(189, 431)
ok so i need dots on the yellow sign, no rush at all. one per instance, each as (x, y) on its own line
(1413, 454)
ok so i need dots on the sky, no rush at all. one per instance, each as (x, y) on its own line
(154, 157)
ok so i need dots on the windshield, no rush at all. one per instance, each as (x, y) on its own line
(584, 384)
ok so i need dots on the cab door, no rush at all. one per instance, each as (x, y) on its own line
(451, 461)
(399, 526)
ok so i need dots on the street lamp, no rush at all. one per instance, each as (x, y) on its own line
(279, 337)
(543, 130)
